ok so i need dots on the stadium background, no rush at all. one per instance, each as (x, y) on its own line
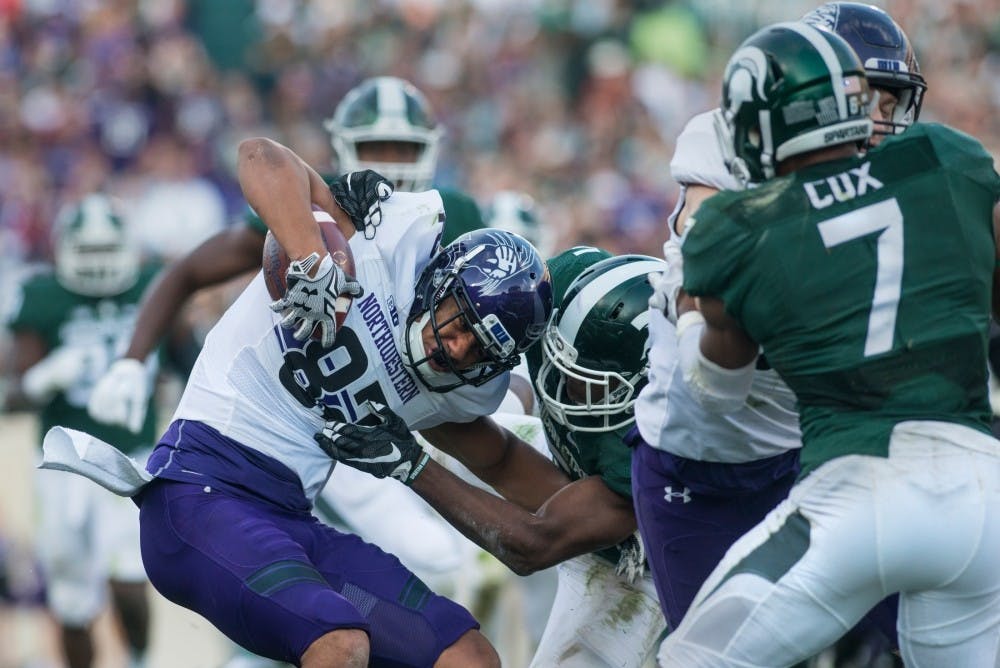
(573, 102)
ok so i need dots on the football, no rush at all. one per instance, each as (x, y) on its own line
(275, 262)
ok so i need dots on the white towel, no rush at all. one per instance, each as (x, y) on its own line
(78, 452)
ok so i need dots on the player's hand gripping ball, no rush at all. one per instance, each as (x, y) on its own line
(315, 305)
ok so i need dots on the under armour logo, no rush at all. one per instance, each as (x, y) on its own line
(669, 495)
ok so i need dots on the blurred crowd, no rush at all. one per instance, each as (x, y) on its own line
(573, 102)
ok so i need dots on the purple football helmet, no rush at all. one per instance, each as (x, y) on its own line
(504, 296)
(885, 51)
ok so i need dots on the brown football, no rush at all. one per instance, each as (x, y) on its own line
(275, 262)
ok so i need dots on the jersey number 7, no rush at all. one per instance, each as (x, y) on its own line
(885, 218)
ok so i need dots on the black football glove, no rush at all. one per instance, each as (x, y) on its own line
(385, 450)
(360, 195)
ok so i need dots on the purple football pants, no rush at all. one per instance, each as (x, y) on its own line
(227, 532)
(274, 580)
(690, 513)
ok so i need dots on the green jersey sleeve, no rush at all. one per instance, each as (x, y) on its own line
(614, 462)
(36, 306)
(714, 249)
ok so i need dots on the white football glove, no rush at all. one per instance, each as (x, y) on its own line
(121, 396)
(667, 284)
(59, 370)
(311, 301)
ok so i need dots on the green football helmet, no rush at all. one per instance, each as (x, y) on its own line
(94, 253)
(790, 88)
(387, 109)
(595, 350)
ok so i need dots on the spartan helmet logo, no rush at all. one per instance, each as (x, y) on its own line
(746, 71)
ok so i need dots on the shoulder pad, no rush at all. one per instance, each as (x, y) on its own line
(697, 159)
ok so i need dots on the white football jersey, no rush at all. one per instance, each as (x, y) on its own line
(698, 160)
(668, 416)
(255, 384)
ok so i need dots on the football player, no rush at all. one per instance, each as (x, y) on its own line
(587, 373)
(890, 64)
(226, 524)
(752, 450)
(881, 331)
(383, 123)
(68, 325)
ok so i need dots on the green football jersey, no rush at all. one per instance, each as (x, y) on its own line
(867, 282)
(461, 213)
(581, 454)
(102, 324)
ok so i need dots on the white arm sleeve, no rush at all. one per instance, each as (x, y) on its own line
(716, 389)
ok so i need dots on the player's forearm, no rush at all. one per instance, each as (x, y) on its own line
(513, 535)
(220, 258)
(28, 349)
(523, 475)
(280, 187)
(159, 307)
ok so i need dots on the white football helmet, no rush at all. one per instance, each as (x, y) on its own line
(516, 212)
(387, 109)
(94, 253)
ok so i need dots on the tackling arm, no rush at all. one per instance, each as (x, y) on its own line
(223, 256)
(500, 459)
(581, 517)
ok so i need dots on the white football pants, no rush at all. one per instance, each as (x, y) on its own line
(598, 619)
(924, 522)
(86, 536)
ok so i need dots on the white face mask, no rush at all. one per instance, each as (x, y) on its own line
(414, 334)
